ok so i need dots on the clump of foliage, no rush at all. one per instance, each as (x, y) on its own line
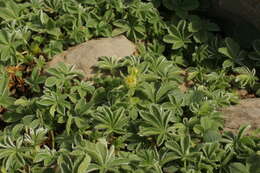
(155, 112)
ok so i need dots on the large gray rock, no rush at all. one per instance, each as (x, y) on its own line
(247, 112)
(85, 55)
(236, 10)
(239, 19)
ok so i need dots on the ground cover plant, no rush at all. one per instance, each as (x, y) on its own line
(153, 112)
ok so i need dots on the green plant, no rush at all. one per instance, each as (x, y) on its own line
(245, 76)
(157, 122)
(152, 112)
(178, 35)
(113, 122)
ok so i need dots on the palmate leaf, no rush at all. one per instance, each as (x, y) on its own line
(178, 35)
(133, 29)
(149, 160)
(35, 80)
(154, 94)
(46, 155)
(156, 123)
(11, 12)
(61, 75)
(103, 158)
(237, 167)
(201, 29)
(163, 69)
(83, 164)
(35, 137)
(112, 121)
(176, 102)
(238, 142)
(232, 51)
(5, 100)
(245, 76)
(109, 63)
(183, 150)
(210, 152)
(12, 153)
(82, 88)
(69, 165)
(56, 102)
(8, 45)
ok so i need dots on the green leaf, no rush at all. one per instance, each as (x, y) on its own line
(169, 39)
(227, 63)
(231, 50)
(156, 122)
(84, 164)
(211, 136)
(50, 81)
(118, 31)
(178, 36)
(10, 12)
(113, 121)
(224, 51)
(233, 47)
(163, 91)
(237, 167)
(68, 124)
(44, 18)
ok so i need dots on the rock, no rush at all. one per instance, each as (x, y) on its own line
(85, 56)
(237, 9)
(246, 112)
(239, 19)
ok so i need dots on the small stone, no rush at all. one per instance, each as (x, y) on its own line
(247, 112)
(85, 56)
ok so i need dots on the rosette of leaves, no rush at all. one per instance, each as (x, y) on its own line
(178, 35)
(103, 158)
(61, 76)
(233, 52)
(208, 128)
(184, 152)
(109, 63)
(201, 29)
(156, 122)
(11, 11)
(176, 102)
(36, 80)
(133, 28)
(111, 121)
(8, 44)
(12, 154)
(156, 93)
(245, 77)
(162, 69)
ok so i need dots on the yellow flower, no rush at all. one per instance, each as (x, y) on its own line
(36, 49)
(131, 81)
(134, 71)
